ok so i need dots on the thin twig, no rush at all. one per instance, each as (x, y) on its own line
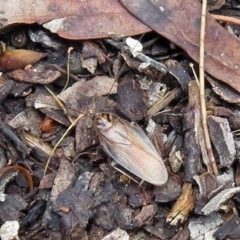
(163, 102)
(226, 19)
(60, 140)
(202, 89)
(194, 73)
(68, 68)
(58, 101)
(62, 70)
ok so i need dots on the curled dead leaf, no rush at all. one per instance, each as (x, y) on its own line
(48, 125)
(15, 59)
(22, 170)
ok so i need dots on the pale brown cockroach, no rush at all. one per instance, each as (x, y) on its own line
(129, 146)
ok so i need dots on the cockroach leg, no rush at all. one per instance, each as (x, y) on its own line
(142, 181)
(113, 164)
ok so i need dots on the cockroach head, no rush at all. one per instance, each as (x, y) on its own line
(103, 120)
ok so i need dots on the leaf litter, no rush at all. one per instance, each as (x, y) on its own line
(82, 195)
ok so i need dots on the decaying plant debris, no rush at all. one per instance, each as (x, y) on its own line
(82, 196)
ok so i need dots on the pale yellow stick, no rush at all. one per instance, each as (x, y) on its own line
(202, 89)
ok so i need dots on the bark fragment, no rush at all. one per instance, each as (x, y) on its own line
(222, 139)
(183, 206)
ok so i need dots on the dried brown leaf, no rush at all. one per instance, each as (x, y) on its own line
(20, 58)
(179, 21)
(73, 19)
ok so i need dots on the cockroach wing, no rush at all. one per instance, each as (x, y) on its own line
(138, 137)
(130, 147)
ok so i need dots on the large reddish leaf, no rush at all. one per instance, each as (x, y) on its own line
(73, 19)
(179, 21)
